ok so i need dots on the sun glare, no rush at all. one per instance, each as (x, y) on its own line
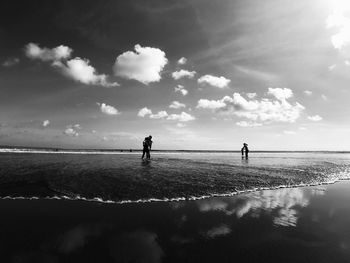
(339, 18)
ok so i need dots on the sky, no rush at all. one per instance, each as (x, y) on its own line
(194, 74)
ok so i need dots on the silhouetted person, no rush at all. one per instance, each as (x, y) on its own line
(245, 150)
(147, 146)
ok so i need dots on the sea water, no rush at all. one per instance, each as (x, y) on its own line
(124, 177)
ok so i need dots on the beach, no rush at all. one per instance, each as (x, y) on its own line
(305, 224)
(177, 207)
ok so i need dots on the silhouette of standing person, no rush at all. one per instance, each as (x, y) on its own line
(147, 146)
(245, 150)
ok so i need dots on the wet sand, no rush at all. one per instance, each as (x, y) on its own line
(306, 224)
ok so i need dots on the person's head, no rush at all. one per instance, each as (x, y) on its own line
(244, 144)
(150, 136)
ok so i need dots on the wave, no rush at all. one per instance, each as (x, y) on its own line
(176, 199)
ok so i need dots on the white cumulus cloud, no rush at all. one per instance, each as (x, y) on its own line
(219, 82)
(182, 73)
(182, 61)
(277, 109)
(34, 51)
(183, 117)
(160, 115)
(176, 105)
(315, 118)
(78, 69)
(46, 123)
(181, 89)
(71, 130)
(144, 111)
(145, 65)
(339, 19)
(107, 109)
(280, 93)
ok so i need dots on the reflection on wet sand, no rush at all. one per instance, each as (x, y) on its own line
(221, 230)
(264, 225)
(138, 246)
(283, 202)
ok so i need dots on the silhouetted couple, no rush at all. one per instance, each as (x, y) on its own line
(147, 146)
(245, 150)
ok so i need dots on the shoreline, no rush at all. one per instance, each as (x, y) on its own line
(170, 200)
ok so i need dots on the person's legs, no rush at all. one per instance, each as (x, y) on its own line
(148, 154)
(143, 153)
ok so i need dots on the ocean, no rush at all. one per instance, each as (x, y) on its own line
(115, 177)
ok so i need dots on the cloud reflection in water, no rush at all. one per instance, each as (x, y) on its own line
(281, 204)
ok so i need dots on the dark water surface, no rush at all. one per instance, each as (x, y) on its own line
(125, 177)
(306, 224)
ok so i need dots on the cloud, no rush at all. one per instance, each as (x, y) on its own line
(107, 109)
(257, 111)
(46, 123)
(71, 131)
(78, 69)
(182, 61)
(212, 104)
(181, 89)
(308, 92)
(219, 82)
(176, 105)
(324, 97)
(180, 125)
(183, 117)
(248, 124)
(280, 94)
(221, 230)
(144, 111)
(183, 74)
(10, 62)
(160, 115)
(315, 118)
(34, 51)
(251, 95)
(145, 65)
(339, 20)
(260, 75)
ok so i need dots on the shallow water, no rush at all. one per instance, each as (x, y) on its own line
(125, 177)
(306, 224)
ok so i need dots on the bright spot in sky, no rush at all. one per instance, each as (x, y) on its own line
(339, 18)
